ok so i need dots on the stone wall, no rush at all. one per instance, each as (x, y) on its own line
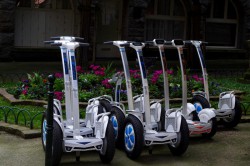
(7, 9)
(246, 8)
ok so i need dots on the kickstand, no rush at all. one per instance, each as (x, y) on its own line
(150, 149)
(78, 156)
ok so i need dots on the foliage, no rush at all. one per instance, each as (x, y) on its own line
(95, 82)
(32, 88)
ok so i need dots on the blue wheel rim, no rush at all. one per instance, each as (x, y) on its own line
(115, 125)
(44, 131)
(129, 137)
(198, 107)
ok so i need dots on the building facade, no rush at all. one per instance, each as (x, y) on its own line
(224, 24)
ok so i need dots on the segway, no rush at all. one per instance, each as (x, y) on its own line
(96, 133)
(143, 117)
(229, 109)
(203, 122)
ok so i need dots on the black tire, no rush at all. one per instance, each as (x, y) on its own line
(43, 130)
(202, 101)
(56, 142)
(118, 119)
(108, 151)
(236, 118)
(134, 124)
(162, 120)
(182, 140)
(213, 130)
(106, 105)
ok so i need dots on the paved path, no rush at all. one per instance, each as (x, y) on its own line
(228, 147)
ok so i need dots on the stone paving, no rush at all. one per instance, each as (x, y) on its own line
(228, 147)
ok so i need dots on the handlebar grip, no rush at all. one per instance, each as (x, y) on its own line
(108, 42)
(55, 38)
(178, 42)
(124, 45)
(149, 43)
(137, 43)
(206, 43)
(48, 42)
(187, 42)
(168, 43)
(159, 41)
(79, 39)
(56, 44)
(84, 44)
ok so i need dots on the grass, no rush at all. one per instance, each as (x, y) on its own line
(233, 84)
(33, 110)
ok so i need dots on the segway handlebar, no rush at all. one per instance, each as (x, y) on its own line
(58, 43)
(178, 42)
(68, 38)
(193, 41)
(108, 42)
(156, 42)
(137, 43)
(120, 43)
(84, 44)
(48, 42)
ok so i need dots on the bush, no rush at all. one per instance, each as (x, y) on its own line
(94, 82)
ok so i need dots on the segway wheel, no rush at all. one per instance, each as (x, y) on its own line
(108, 150)
(43, 130)
(213, 129)
(181, 144)
(162, 120)
(106, 105)
(118, 118)
(133, 137)
(200, 103)
(236, 117)
(57, 143)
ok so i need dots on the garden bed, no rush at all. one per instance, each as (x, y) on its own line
(95, 82)
(10, 98)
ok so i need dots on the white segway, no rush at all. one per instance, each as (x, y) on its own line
(142, 121)
(97, 133)
(205, 122)
(229, 109)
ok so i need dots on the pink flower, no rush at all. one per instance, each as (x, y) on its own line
(154, 80)
(106, 84)
(79, 69)
(24, 92)
(170, 72)
(95, 68)
(136, 75)
(133, 71)
(158, 72)
(58, 75)
(201, 80)
(91, 66)
(195, 77)
(100, 73)
(58, 95)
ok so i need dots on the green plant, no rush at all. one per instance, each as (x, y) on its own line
(94, 82)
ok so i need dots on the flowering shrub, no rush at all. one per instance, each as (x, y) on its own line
(94, 82)
(32, 88)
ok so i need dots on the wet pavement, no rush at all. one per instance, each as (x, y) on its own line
(228, 147)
